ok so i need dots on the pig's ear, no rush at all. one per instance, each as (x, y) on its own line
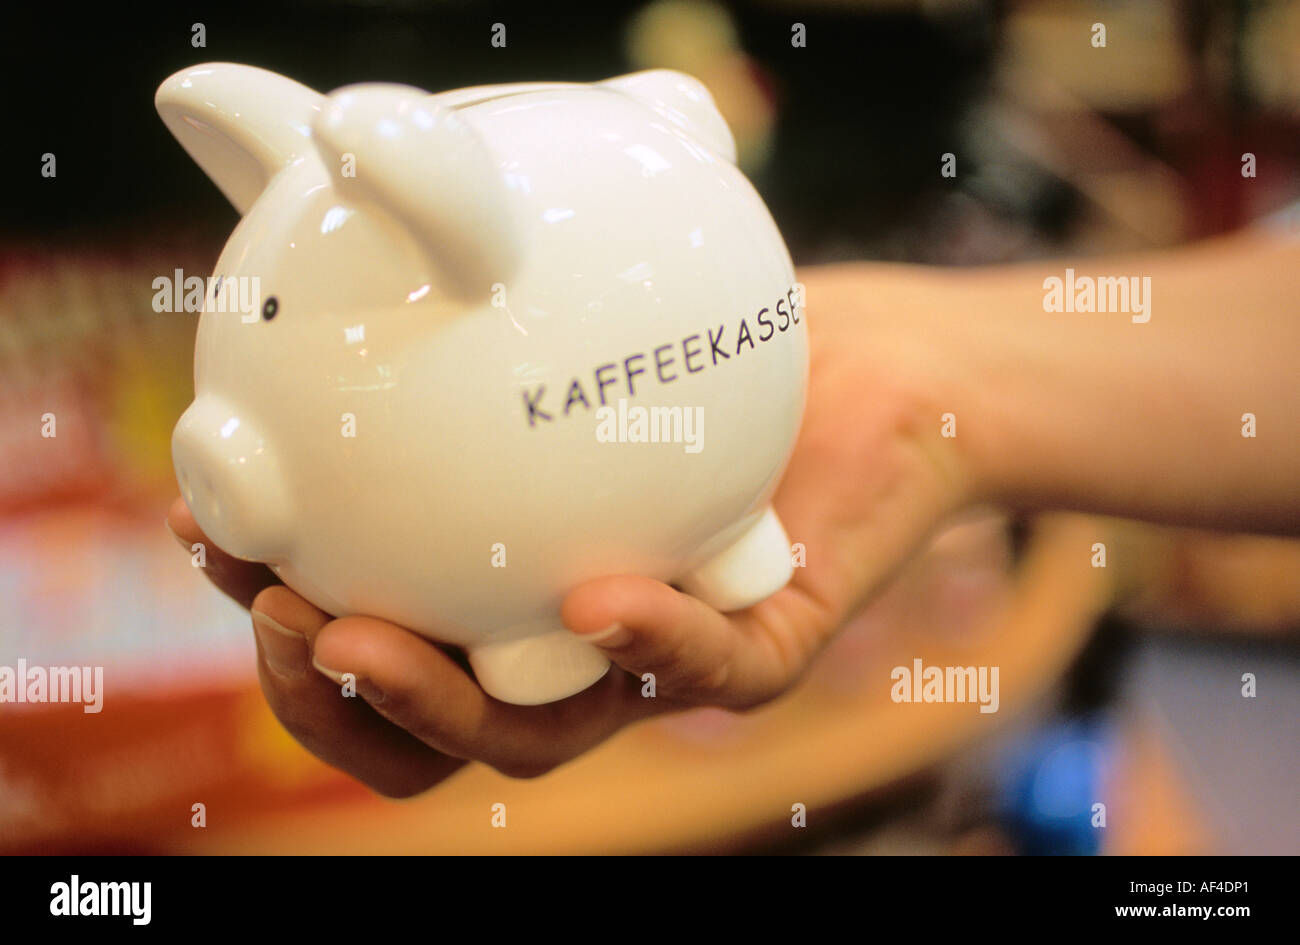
(240, 124)
(399, 149)
(684, 101)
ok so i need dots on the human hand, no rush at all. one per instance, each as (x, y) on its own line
(869, 479)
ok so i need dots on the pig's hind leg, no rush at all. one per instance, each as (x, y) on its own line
(751, 568)
(547, 664)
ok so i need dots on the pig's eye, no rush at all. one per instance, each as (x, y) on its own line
(269, 308)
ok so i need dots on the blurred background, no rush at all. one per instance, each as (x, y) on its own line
(1120, 687)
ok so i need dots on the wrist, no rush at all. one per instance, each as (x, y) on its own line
(986, 376)
(999, 376)
(909, 343)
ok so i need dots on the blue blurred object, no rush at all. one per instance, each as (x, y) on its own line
(1049, 784)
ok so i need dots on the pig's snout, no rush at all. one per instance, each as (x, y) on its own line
(231, 479)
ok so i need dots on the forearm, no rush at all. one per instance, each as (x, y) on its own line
(1096, 412)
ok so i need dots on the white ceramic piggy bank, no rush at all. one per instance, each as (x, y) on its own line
(501, 340)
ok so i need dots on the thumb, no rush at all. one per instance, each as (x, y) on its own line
(696, 654)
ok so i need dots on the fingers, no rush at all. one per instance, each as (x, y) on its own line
(418, 714)
(240, 580)
(341, 731)
(417, 687)
(696, 654)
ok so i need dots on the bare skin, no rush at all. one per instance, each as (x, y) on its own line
(1085, 411)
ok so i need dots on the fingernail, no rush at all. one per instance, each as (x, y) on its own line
(615, 635)
(333, 674)
(364, 687)
(285, 650)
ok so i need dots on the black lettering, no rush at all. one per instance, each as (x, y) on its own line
(627, 368)
(785, 315)
(575, 393)
(602, 384)
(713, 343)
(744, 336)
(794, 309)
(533, 410)
(767, 322)
(688, 354)
(660, 364)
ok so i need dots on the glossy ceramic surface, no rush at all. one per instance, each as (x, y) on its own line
(463, 306)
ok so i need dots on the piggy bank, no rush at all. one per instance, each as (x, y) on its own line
(466, 350)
